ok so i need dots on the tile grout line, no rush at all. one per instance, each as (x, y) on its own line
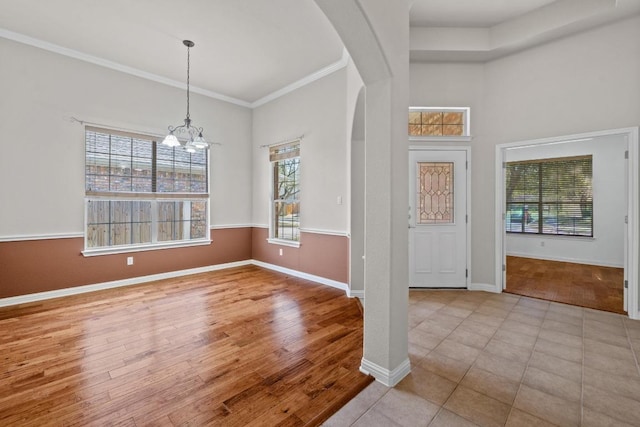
(633, 350)
(520, 297)
(370, 408)
(465, 373)
(526, 367)
(470, 366)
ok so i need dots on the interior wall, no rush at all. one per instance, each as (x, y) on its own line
(585, 82)
(42, 169)
(609, 205)
(33, 266)
(317, 111)
(357, 225)
(356, 173)
(43, 150)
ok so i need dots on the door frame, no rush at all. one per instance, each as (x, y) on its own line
(633, 238)
(467, 150)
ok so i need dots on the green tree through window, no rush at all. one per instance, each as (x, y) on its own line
(285, 224)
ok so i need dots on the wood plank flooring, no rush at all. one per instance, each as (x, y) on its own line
(589, 286)
(243, 346)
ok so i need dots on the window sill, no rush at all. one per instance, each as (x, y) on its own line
(441, 138)
(143, 248)
(550, 236)
(290, 243)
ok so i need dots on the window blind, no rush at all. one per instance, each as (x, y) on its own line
(550, 196)
(288, 150)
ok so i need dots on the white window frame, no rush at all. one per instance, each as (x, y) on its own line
(272, 201)
(154, 198)
(466, 123)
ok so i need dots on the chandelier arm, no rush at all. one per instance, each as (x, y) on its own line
(173, 129)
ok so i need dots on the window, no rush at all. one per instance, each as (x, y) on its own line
(435, 193)
(438, 122)
(140, 193)
(285, 204)
(550, 196)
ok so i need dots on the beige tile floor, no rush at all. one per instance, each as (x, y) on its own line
(504, 360)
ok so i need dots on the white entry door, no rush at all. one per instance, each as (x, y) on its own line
(438, 219)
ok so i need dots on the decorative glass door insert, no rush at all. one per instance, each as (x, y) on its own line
(435, 193)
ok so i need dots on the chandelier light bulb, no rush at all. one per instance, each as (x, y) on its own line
(171, 140)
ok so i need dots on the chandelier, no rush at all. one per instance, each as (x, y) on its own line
(192, 134)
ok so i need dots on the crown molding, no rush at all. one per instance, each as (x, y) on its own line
(51, 47)
(329, 69)
(71, 53)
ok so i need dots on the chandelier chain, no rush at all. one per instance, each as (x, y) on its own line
(188, 69)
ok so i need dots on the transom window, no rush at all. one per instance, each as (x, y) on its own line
(550, 196)
(285, 203)
(438, 122)
(140, 193)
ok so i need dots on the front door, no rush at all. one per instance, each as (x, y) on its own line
(438, 219)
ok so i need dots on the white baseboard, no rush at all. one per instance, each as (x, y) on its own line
(300, 274)
(357, 293)
(484, 287)
(384, 375)
(40, 296)
(23, 299)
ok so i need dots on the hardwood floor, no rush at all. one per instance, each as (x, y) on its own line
(243, 346)
(589, 286)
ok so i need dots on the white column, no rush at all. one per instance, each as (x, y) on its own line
(376, 33)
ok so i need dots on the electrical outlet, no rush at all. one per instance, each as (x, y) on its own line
(129, 260)
(339, 200)
(280, 251)
(542, 243)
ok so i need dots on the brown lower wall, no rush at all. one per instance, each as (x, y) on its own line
(31, 266)
(322, 255)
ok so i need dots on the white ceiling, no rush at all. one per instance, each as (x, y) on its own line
(247, 50)
(244, 49)
(469, 13)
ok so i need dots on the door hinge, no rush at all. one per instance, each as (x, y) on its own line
(626, 219)
(504, 216)
(466, 218)
(466, 272)
(626, 284)
(626, 154)
(504, 267)
(466, 164)
(504, 165)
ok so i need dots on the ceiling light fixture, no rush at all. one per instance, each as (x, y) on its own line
(193, 134)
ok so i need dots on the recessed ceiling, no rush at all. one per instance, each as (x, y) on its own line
(470, 13)
(244, 49)
(484, 30)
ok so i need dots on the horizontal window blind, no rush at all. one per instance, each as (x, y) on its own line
(284, 151)
(125, 162)
(139, 192)
(550, 196)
